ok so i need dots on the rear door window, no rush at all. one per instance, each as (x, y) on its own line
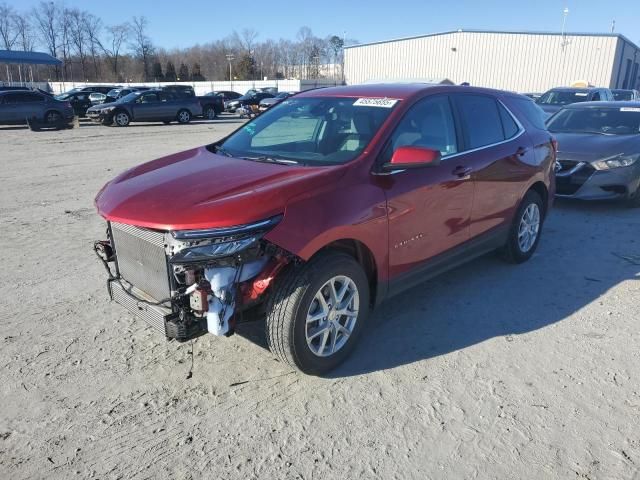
(149, 98)
(481, 119)
(29, 98)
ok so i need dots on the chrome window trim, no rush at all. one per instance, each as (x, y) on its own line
(521, 131)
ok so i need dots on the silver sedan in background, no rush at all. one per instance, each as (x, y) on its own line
(598, 151)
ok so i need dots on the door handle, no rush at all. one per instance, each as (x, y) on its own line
(461, 171)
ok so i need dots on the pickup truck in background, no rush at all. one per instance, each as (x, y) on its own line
(212, 106)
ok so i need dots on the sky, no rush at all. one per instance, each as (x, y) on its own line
(186, 23)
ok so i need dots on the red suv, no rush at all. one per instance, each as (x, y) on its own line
(322, 207)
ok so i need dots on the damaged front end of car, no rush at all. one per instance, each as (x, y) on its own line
(186, 283)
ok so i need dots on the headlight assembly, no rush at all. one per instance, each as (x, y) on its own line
(197, 246)
(616, 161)
(211, 251)
(107, 109)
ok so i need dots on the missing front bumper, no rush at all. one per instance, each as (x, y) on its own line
(160, 318)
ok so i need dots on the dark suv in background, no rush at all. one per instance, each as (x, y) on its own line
(148, 106)
(18, 107)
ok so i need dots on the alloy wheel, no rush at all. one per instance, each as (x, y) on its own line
(52, 117)
(184, 117)
(332, 316)
(529, 228)
(122, 119)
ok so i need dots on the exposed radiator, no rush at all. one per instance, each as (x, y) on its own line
(141, 259)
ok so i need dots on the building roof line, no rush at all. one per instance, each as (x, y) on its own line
(506, 32)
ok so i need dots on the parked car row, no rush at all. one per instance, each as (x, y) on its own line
(146, 106)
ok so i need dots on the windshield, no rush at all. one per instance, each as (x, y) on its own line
(63, 96)
(563, 97)
(113, 92)
(309, 131)
(621, 95)
(129, 98)
(607, 121)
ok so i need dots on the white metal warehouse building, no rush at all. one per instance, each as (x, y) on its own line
(517, 61)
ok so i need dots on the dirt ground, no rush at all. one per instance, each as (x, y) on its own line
(490, 371)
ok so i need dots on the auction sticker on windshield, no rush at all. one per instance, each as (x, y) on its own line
(630, 109)
(375, 102)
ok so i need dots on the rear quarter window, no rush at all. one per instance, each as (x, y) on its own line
(530, 110)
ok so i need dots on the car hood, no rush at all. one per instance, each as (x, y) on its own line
(199, 189)
(103, 105)
(590, 147)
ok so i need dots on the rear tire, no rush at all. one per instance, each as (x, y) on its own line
(525, 231)
(209, 113)
(52, 118)
(317, 312)
(184, 116)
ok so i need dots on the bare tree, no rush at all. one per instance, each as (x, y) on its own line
(8, 33)
(93, 31)
(141, 44)
(46, 16)
(245, 40)
(118, 35)
(78, 35)
(26, 40)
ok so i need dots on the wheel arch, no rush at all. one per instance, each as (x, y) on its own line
(52, 110)
(121, 109)
(362, 254)
(541, 189)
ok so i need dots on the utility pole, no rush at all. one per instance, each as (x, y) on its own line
(565, 14)
(230, 58)
(344, 41)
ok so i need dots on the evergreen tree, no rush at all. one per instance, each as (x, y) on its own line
(246, 68)
(196, 74)
(156, 72)
(170, 72)
(183, 73)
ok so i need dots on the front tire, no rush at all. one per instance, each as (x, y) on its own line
(184, 116)
(634, 200)
(121, 119)
(317, 312)
(525, 231)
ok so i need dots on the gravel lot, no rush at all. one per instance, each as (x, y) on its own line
(490, 371)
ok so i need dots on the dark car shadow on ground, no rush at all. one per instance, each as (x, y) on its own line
(577, 262)
(89, 123)
(14, 127)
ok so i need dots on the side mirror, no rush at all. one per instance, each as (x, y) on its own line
(412, 157)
